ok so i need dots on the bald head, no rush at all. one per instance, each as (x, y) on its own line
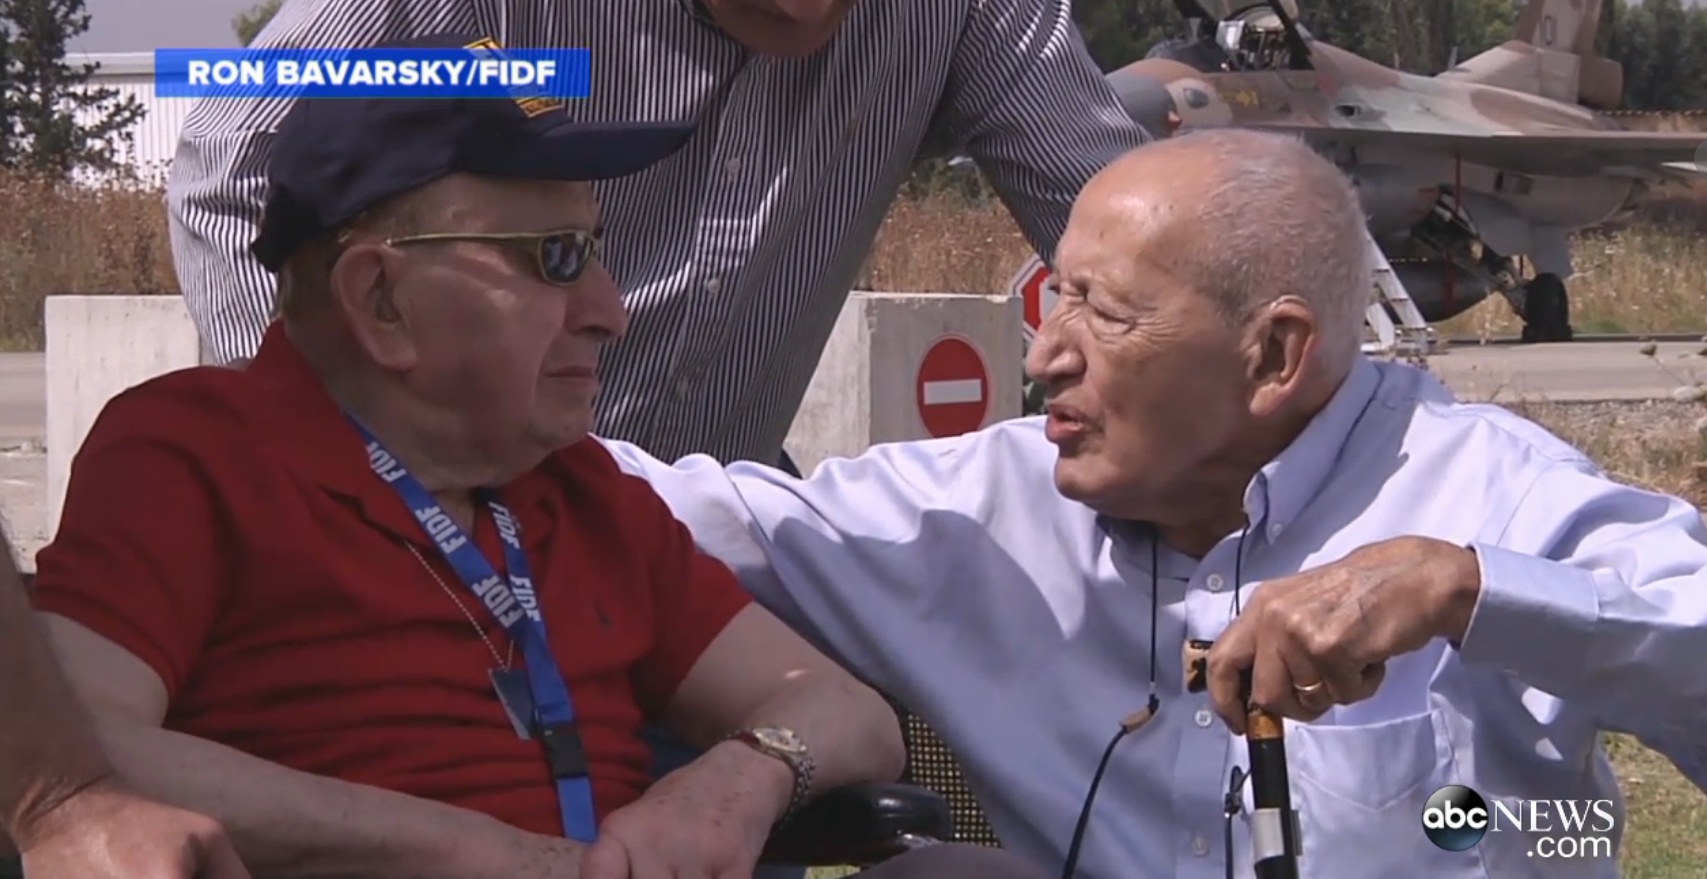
(1211, 293)
(1245, 217)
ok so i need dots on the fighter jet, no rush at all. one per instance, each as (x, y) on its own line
(1466, 176)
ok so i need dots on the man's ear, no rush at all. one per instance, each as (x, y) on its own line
(1284, 338)
(362, 286)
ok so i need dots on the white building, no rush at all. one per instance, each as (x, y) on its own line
(154, 137)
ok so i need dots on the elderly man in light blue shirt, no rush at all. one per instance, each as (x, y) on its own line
(1434, 592)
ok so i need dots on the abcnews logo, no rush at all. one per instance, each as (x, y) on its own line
(1457, 818)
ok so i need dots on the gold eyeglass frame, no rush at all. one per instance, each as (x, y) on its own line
(530, 244)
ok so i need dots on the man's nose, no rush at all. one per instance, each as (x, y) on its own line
(1050, 358)
(596, 305)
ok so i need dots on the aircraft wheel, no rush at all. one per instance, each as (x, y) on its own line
(1546, 310)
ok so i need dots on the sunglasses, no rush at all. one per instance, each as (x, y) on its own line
(559, 257)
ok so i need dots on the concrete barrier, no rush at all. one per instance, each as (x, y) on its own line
(97, 347)
(906, 366)
(899, 366)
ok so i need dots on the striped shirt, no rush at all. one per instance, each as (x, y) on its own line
(736, 255)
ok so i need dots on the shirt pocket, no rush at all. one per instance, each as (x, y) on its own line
(1359, 791)
(1369, 768)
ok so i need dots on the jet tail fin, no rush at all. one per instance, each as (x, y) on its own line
(1561, 25)
(1551, 54)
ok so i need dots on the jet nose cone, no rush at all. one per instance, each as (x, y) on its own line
(1146, 99)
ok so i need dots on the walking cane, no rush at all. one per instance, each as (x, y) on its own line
(1275, 844)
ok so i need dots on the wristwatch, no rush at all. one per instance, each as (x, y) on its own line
(784, 745)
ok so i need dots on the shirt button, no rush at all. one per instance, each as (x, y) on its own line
(1205, 717)
(733, 166)
(1200, 845)
(684, 388)
(1214, 582)
(1275, 529)
(713, 285)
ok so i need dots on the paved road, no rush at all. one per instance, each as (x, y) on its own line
(23, 398)
(1567, 372)
(1570, 372)
(23, 469)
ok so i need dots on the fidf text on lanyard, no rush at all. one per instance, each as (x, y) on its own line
(536, 698)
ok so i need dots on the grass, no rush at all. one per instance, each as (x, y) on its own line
(1650, 275)
(69, 240)
(1656, 445)
(1647, 276)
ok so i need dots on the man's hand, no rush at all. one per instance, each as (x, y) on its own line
(707, 820)
(1322, 637)
(106, 832)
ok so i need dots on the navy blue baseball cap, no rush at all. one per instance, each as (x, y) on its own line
(333, 158)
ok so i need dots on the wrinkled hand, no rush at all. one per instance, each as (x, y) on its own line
(707, 820)
(1322, 637)
(106, 832)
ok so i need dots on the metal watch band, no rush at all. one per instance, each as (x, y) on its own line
(802, 767)
(799, 762)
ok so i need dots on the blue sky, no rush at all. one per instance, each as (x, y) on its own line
(145, 25)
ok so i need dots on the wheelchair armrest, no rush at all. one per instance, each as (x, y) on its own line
(860, 825)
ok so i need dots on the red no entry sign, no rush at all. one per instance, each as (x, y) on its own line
(953, 387)
(1031, 285)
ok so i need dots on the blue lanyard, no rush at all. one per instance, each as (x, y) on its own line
(514, 605)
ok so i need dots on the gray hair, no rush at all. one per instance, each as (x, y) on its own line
(1279, 219)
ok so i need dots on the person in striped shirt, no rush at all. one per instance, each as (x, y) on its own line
(736, 255)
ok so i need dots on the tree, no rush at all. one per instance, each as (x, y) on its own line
(248, 24)
(1480, 25)
(52, 119)
(1119, 32)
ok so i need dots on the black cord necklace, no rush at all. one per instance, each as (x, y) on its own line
(1233, 803)
(1136, 720)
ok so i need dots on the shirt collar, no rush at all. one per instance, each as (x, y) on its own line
(1281, 489)
(303, 426)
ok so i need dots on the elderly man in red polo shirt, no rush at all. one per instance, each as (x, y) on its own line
(378, 605)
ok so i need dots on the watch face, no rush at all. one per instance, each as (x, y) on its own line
(780, 739)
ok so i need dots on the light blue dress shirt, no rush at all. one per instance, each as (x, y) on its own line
(952, 575)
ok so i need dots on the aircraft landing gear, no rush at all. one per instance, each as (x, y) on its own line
(1546, 310)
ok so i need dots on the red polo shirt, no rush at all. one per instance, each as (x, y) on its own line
(224, 526)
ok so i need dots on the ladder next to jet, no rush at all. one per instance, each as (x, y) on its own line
(1411, 339)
